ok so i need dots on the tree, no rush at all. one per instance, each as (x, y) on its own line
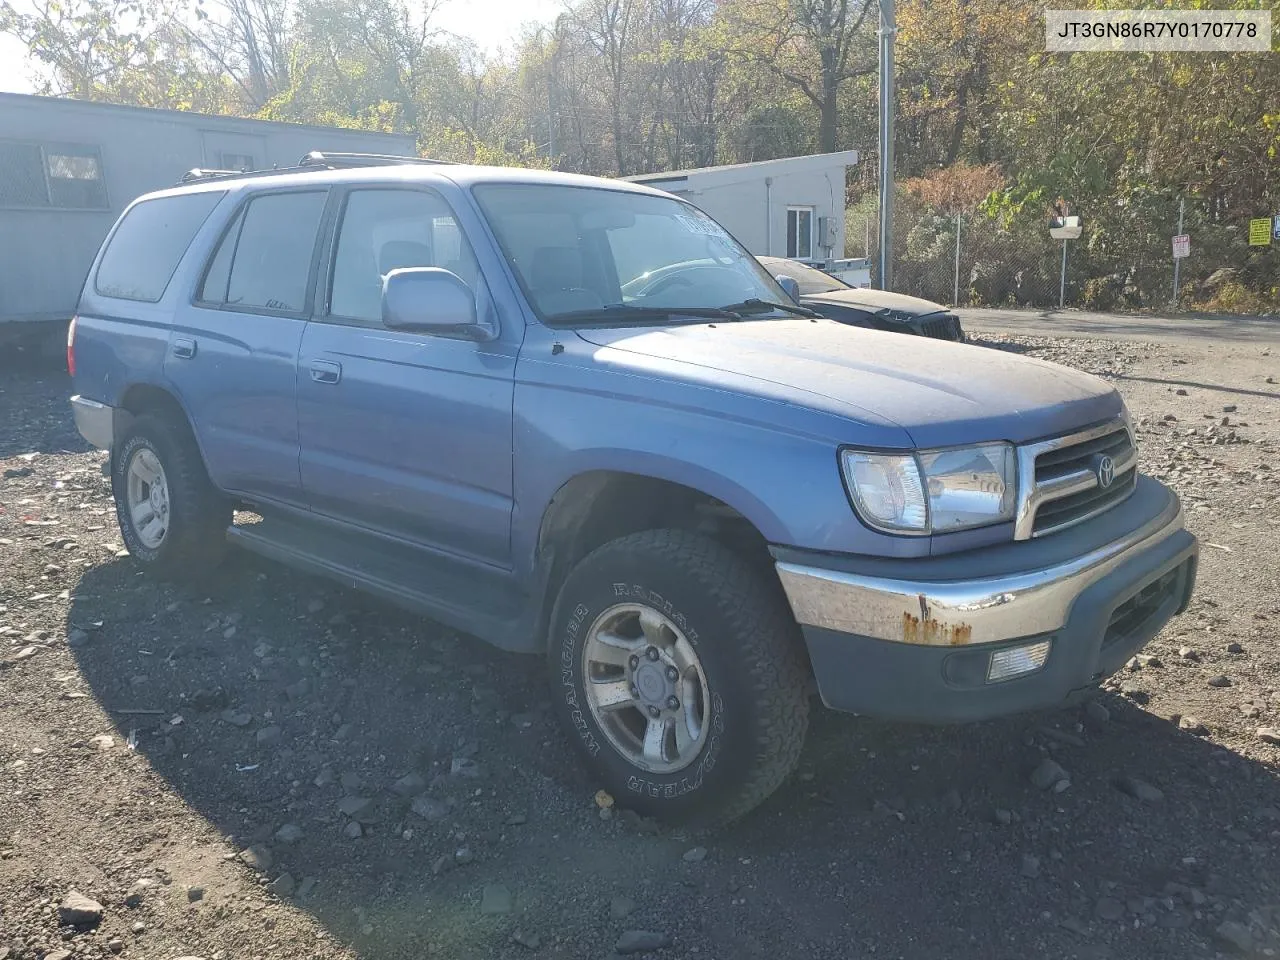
(249, 42)
(814, 45)
(606, 25)
(119, 51)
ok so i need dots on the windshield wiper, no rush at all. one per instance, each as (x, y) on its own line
(756, 305)
(627, 311)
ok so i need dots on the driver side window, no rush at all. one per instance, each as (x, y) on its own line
(387, 229)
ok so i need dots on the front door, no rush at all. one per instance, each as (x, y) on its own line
(233, 350)
(403, 433)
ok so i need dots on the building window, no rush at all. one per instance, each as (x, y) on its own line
(237, 161)
(75, 177)
(22, 181)
(63, 175)
(800, 233)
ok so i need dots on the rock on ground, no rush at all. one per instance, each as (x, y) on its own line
(1140, 789)
(77, 910)
(1048, 774)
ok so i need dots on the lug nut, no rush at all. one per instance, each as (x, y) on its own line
(634, 661)
(673, 674)
(654, 712)
(652, 653)
(635, 692)
(673, 703)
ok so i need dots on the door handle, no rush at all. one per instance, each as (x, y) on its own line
(184, 348)
(326, 371)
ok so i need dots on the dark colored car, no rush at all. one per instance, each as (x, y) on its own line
(863, 307)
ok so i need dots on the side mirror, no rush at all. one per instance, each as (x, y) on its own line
(790, 284)
(428, 299)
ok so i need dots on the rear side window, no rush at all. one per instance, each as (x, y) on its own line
(264, 259)
(145, 249)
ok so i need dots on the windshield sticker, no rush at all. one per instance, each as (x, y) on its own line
(704, 226)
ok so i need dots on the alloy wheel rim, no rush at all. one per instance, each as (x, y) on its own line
(646, 687)
(147, 493)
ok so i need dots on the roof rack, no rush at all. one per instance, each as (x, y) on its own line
(204, 173)
(315, 160)
(336, 161)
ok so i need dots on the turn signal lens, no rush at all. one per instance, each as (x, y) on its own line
(887, 491)
(1016, 661)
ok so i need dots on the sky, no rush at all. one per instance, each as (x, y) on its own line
(492, 24)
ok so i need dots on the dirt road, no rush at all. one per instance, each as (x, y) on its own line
(268, 766)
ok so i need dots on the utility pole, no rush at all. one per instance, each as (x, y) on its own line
(1177, 261)
(1062, 284)
(551, 112)
(888, 29)
(553, 64)
(955, 296)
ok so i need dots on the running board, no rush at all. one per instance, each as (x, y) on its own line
(469, 598)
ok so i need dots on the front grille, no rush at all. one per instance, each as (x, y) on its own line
(945, 327)
(1130, 616)
(1079, 456)
(1069, 510)
(1066, 476)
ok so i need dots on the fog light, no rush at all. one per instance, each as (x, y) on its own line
(1015, 661)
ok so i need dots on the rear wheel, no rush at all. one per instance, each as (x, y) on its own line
(171, 517)
(677, 669)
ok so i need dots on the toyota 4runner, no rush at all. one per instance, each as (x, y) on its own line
(574, 417)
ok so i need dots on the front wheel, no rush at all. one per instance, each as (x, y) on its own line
(678, 672)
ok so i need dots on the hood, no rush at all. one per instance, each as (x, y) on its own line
(941, 393)
(873, 300)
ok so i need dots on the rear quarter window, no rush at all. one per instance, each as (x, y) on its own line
(147, 246)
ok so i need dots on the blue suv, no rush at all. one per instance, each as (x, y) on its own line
(574, 417)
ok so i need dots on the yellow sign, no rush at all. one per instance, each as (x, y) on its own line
(1260, 232)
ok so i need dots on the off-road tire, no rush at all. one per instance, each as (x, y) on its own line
(750, 648)
(195, 541)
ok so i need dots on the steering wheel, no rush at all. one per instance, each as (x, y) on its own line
(668, 283)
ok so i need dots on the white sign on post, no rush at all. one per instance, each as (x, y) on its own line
(1065, 228)
(1182, 246)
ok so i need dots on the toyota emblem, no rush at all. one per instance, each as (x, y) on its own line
(1106, 471)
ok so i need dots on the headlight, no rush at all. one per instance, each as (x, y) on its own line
(933, 491)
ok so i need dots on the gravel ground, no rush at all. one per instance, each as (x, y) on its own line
(269, 766)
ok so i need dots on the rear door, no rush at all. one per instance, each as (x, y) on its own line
(407, 434)
(233, 349)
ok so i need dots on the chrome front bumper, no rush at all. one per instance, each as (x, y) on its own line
(94, 420)
(951, 613)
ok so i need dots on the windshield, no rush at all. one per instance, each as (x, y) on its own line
(811, 280)
(577, 250)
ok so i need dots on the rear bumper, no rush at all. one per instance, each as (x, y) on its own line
(94, 420)
(921, 648)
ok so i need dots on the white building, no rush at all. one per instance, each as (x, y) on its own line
(68, 167)
(791, 207)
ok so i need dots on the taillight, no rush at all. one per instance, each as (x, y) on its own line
(71, 347)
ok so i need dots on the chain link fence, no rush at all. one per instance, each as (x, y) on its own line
(1124, 263)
